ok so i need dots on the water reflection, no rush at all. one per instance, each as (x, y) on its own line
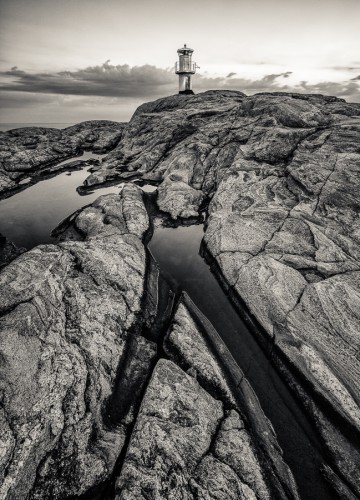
(176, 250)
(28, 217)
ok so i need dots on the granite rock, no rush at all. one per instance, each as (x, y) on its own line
(30, 151)
(280, 173)
(68, 314)
(190, 440)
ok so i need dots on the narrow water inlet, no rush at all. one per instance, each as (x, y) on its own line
(176, 251)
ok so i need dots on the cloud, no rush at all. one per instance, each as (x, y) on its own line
(348, 90)
(105, 80)
(346, 68)
(140, 83)
(273, 78)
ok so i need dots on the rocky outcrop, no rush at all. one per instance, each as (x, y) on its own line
(8, 251)
(190, 438)
(90, 388)
(27, 152)
(75, 328)
(282, 175)
(68, 318)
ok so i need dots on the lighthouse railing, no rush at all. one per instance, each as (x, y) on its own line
(185, 67)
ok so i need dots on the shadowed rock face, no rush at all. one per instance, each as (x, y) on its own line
(68, 315)
(8, 251)
(26, 152)
(282, 175)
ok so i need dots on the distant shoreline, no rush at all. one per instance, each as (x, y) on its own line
(4, 127)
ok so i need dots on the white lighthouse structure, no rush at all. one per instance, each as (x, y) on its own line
(185, 68)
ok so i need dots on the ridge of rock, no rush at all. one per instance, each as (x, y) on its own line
(190, 439)
(281, 176)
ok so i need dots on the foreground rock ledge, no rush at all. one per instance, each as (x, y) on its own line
(68, 311)
(75, 365)
(282, 175)
(190, 439)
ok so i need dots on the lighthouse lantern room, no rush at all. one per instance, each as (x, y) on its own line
(185, 68)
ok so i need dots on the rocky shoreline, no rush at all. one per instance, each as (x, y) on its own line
(30, 154)
(74, 320)
(98, 344)
(280, 174)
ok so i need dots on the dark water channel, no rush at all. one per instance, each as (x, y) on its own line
(177, 252)
(28, 217)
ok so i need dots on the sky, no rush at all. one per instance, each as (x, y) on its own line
(73, 60)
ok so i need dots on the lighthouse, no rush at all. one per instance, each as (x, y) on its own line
(185, 68)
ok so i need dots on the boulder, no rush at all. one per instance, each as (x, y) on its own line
(189, 439)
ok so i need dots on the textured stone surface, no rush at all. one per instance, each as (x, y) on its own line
(189, 440)
(67, 313)
(282, 174)
(181, 438)
(174, 429)
(8, 251)
(185, 344)
(27, 152)
(74, 369)
(233, 447)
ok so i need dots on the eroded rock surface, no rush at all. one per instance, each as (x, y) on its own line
(8, 251)
(75, 366)
(27, 152)
(68, 313)
(279, 174)
(189, 443)
(282, 175)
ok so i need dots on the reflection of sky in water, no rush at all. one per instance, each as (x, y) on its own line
(148, 188)
(176, 250)
(28, 217)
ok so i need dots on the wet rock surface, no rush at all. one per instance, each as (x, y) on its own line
(281, 174)
(25, 153)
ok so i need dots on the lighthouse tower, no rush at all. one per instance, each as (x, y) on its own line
(185, 69)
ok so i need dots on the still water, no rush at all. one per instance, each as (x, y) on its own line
(176, 250)
(28, 217)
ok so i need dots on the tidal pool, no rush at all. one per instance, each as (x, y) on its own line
(28, 217)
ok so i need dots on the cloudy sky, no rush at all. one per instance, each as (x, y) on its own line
(71, 60)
